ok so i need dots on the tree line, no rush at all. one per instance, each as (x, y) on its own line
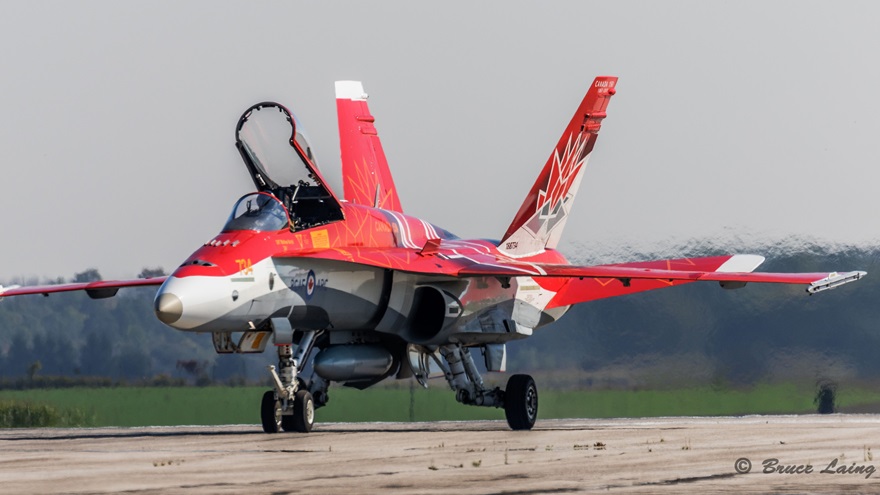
(70, 334)
(696, 334)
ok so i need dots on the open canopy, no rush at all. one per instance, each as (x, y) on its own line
(280, 160)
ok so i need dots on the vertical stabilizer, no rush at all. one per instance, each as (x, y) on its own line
(366, 177)
(541, 218)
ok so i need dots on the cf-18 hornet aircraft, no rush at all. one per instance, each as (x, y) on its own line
(367, 292)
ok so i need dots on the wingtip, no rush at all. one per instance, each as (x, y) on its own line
(834, 280)
(350, 90)
(5, 289)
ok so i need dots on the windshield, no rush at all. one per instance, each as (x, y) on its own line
(257, 211)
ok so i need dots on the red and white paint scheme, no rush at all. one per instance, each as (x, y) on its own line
(366, 292)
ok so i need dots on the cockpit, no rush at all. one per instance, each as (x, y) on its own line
(257, 211)
(280, 161)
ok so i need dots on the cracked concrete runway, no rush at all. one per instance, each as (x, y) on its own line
(818, 454)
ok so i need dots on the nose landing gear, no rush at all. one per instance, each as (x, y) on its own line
(290, 407)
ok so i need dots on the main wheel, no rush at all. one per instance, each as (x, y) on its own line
(521, 402)
(270, 413)
(303, 412)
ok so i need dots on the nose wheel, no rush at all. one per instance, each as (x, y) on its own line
(300, 416)
(270, 413)
(303, 417)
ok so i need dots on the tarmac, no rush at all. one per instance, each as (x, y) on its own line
(750, 454)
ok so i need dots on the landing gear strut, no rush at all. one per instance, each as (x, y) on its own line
(290, 407)
(519, 400)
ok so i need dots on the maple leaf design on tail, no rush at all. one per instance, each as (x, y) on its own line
(566, 167)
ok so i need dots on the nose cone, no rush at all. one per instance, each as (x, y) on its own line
(198, 303)
(168, 308)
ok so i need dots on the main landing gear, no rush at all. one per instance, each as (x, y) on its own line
(519, 399)
(290, 407)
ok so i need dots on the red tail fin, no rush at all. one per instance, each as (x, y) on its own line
(365, 174)
(539, 222)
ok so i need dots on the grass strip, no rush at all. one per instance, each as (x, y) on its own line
(166, 406)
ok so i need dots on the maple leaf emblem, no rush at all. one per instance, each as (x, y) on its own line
(564, 170)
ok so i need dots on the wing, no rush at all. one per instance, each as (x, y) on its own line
(574, 284)
(96, 290)
(366, 177)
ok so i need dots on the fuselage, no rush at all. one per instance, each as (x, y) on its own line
(362, 273)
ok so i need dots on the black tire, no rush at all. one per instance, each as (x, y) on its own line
(287, 423)
(521, 402)
(270, 413)
(303, 412)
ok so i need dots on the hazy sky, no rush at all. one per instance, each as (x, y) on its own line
(741, 120)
